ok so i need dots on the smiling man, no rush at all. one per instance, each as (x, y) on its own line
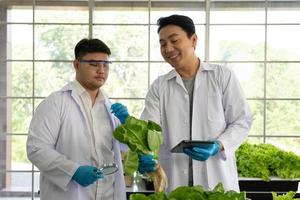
(195, 101)
(178, 49)
(70, 135)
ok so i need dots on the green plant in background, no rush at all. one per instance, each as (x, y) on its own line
(19, 154)
(266, 160)
(287, 196)
(56, 42)
(193, 193)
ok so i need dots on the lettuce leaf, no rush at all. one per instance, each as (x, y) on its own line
(155, 196)
(130, 163)
(287, 196)
(266, 160)
(142, 137)
(134, 134)
(138, 197)
(193, 193)
(186, 192)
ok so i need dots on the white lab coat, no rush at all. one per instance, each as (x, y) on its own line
(59, 142)
(220, 112)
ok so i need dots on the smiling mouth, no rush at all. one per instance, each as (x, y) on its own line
(99, 78)
(172, 58)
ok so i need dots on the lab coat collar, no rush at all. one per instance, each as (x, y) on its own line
(70, 87)
(76, 87)
(171, 74)
(76, 92)
(203, 67)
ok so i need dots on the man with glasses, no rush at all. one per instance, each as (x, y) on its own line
(70, 135)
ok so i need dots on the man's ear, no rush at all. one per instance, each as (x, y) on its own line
(194, 39)
(75, 64)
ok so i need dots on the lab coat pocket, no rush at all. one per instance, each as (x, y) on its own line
(215, 112)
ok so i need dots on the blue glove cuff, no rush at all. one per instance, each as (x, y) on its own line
(202, 153)
(146, 163)
(86, 175)
(216, 148)
(120, 111)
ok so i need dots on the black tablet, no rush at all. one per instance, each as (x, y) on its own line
(189, 143)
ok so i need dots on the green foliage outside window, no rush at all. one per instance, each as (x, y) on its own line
(128, 79)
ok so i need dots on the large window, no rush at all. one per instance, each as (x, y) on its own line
(259, 39)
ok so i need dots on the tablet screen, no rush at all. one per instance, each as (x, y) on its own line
(189, 143)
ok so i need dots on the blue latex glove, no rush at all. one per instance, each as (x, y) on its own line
(120, 111)
(202, 153)
(86, 175)
(146, 163)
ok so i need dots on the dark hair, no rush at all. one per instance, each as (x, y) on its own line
(85, 46)
(182, 21)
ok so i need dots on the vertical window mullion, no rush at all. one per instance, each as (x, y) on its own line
(207, 28)
(33, 86)
(149, 33)
(91, 10)
(265, 73)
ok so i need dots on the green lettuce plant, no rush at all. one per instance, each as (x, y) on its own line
(142, 137)
(288, 196)
(193, 193)
(266, 160)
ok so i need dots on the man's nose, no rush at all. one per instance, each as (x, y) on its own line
(169, 48)
(100, 67)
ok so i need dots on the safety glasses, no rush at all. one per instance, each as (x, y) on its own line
(96, 63)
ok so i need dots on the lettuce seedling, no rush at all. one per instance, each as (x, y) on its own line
(142, 137)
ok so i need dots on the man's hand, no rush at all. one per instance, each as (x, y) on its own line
(147, 163)
(86, 175)
(202, 153)
(120, 111)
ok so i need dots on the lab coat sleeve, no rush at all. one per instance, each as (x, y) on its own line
(43, 134)
(152, 104)
(237, 113)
